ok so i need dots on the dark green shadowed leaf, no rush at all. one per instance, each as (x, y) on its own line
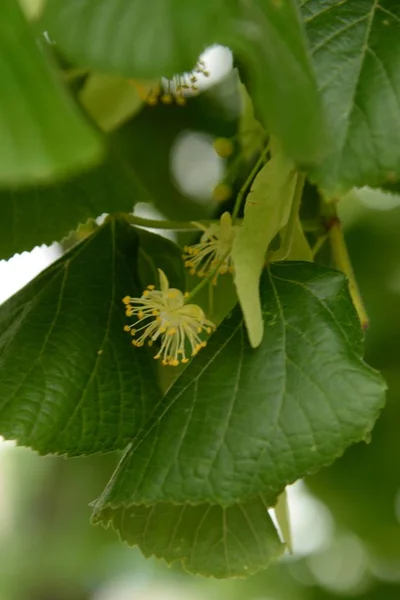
(70, 381)
(147, 40)
(209, 540)
(356, 52)
(157, 252)
(239, 421)
(42, 215)
(42, 135)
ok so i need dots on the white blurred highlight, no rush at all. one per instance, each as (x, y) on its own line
(195, 165)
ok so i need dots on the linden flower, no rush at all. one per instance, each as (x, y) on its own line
(163, 315)
(172, 90)
(214, 248)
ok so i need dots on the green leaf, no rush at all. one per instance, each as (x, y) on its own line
(42, 215)
(42, 134)
(157, 252)
(280, 77)
(70, 381)
(138, 39)
(208, 539)
(239, 422)
(356, 52)
(164, 37)
(110, 100)
(266, 212)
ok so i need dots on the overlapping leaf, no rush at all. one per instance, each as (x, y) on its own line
(281, 80)
(42, 134)
(146, 40)
(211, 540)
(240, 422)
(42, 215)
(356, 51)
(140, 39)
(70, 381)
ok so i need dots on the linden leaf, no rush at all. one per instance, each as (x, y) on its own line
(239, 421)
(356, 51)
(41, 215)
(236, 541)
(70, 381)
(162, 38)
(43, 136)
(157, 252)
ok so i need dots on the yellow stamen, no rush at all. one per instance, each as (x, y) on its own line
(164, 317)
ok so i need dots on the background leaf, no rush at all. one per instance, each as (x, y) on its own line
(293, 405)
(266, 212)
(166, 37)
(157, 252)
(109, 99)
(281, 79)
(42, 215)
(136, 39)
(209, 540)
(356, 52)
(42, 134)
(71, 383)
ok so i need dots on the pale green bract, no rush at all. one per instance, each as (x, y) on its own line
(266, 212)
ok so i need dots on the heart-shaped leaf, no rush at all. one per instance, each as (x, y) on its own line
(236, 541)
(356, 52)
(239, 422)
(42, 215)
(70, 381)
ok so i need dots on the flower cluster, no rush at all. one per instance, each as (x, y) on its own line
(164, 315)
(213, 252)
(172, 90)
